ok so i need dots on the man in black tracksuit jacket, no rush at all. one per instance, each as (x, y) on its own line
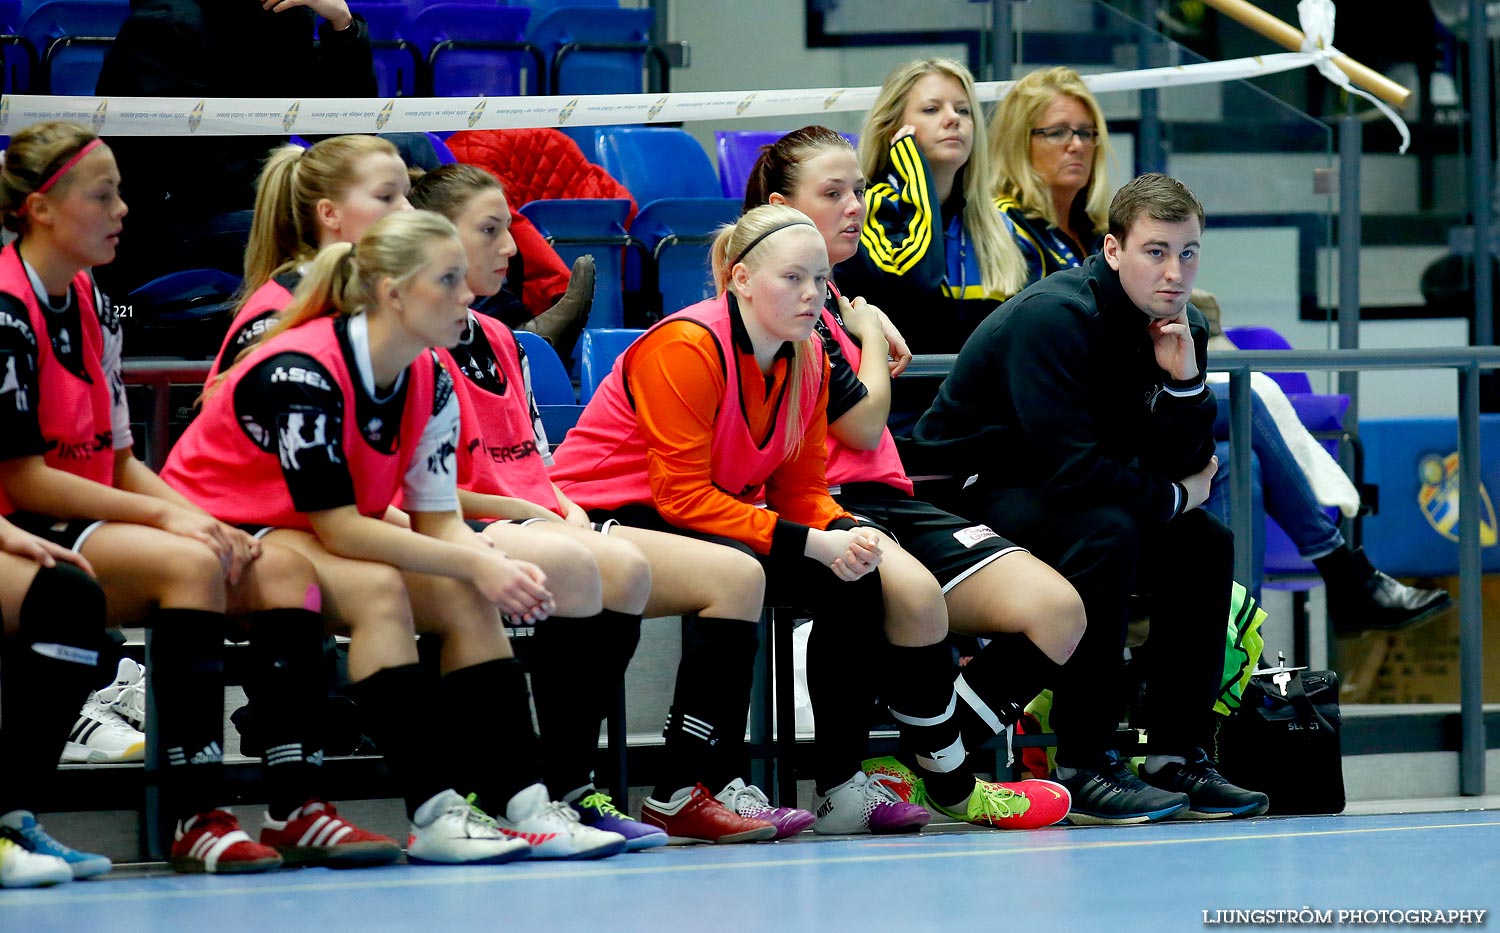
(1080, 405)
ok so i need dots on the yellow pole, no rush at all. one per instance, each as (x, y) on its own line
(1290, 37)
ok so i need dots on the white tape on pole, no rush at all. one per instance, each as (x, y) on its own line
(226, 116)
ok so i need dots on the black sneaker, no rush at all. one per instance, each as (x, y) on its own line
(1111, 794)
(1210, 796)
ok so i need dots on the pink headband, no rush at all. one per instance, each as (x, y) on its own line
(53, 179)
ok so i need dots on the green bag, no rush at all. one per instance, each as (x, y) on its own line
(1243, 645)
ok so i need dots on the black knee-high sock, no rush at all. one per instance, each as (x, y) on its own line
(994, 688)
(507, 756)
(919, 692)
(705, 729)
(48, 670)
(287, 684)
(398, 708)
(843, 660)
(185, 656)
(577, 666)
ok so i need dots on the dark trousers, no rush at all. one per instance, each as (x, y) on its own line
(1185, 568)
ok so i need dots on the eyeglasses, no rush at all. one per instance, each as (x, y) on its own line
(1062, 134)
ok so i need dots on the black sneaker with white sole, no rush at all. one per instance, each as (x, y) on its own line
(1109, 793)
(1210, 795)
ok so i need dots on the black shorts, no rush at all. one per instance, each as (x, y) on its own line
(952, 548)
(480, 524)
(65, 532)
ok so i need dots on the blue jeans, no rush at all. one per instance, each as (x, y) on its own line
(1287, 496)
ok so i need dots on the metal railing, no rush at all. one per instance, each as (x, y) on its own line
(1468, 362)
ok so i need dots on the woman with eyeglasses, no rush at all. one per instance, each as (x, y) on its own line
(933, 252)
(1048, 146)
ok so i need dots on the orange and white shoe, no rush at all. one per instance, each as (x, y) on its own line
(554, 829)
(450, 830)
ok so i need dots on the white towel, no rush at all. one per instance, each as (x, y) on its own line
(1328, 481)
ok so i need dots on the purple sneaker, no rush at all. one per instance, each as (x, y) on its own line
(597, 810)
(867, 804)
(750, 801)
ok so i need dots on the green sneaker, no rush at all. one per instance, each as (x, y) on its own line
(1018, 805)
(904, 781)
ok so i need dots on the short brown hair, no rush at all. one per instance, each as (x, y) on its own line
(1154, 195)
(448, 188)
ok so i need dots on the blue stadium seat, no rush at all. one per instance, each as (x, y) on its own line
(540, 8)
(595, 49)
(549, 380)
(597, 350)
(1318, 412)
(21, 63)
(72, 37)
(575, 226)
(183, 313)
(676, 233)
(657, 162)
(477, 50)
(681, 208)
(398, 62)
(444, 154)
(587, 138)
(738, 150)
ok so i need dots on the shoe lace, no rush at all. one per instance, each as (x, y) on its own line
(999, 803)
(1202, 767)
(754, 799)
(1117, 773)
(879, 785)
(602, 802)
(559, 810)
(35, 837)
(131, 703)
(476, 815)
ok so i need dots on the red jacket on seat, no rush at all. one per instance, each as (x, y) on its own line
(536, 164)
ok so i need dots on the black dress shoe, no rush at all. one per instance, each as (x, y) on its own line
(1377, 601)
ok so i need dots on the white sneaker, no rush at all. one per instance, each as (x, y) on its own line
(127, 695)
(102, 735)
(22, 868)
(448, 830)
(866, 804)
(554, 829)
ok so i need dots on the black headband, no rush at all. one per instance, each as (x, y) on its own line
(776, 229)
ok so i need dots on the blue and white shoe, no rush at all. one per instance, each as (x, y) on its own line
(21, 827)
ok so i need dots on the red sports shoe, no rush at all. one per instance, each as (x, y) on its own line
(1029, 804)
(315, 835)
(699, 817)
(213, 843)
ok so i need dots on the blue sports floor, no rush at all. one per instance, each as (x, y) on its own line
(1063, 879)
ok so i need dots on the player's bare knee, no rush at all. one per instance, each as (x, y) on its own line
(191, 575)
(285, 579)
(739, 586)
(629, 575)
